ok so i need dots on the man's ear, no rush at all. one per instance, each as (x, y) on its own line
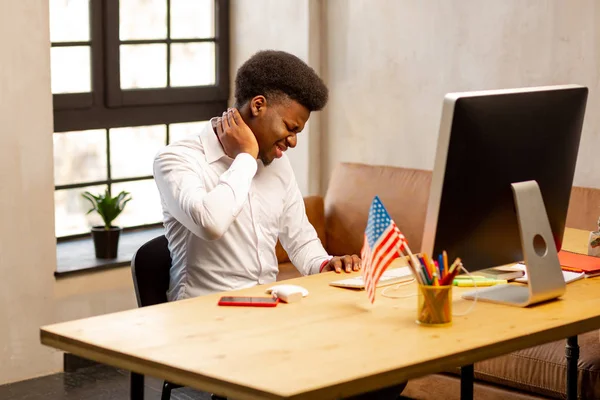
(258, 105)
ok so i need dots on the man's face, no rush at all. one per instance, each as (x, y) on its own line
(275, 125)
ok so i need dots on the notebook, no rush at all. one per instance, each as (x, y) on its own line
(579, 262)
(508, 273)
(569, 276)
(389, 277)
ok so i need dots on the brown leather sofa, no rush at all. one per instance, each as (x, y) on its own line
(340, 219)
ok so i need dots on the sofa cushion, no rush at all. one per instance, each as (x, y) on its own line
(542, 369)
(403, 191)
(584, 208)
(316, 216)
(447, 387)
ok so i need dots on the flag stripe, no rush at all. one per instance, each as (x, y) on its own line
(387, 264)
(386, 245)
(387, 248)
(383, 258)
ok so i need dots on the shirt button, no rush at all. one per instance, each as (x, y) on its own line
(261, 281)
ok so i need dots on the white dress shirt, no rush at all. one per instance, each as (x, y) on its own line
(223, 217)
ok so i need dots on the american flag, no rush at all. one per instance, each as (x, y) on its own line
(383, 241)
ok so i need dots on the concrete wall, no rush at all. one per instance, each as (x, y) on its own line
(389, 64)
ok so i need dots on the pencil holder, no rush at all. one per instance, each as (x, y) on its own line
(434, 305)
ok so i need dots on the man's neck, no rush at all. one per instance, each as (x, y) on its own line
(245, 112)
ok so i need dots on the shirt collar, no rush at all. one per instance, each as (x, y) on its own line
(212, 147)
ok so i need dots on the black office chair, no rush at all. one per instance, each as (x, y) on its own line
(150, 267)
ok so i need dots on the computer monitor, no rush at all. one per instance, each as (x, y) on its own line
(489, 140)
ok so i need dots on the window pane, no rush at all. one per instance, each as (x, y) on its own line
(132, 150)
(192, 19)
(142, 19)
(143, 66)
(193, 64)
(182, 130)
(70, 69)
(71, 208)
(79, 157)
(144, 207)
(69, 20)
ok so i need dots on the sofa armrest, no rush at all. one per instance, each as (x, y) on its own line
(315, 211)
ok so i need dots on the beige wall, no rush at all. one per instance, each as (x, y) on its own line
(293, 26)
(29, 295)
(26, 204)
(389, 64)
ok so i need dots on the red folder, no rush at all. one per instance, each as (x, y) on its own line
(579, 262)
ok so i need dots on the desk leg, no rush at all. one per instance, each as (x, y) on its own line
(467, 378)
(136, 386)
(572, 353)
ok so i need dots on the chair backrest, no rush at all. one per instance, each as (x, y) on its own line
(150, 267)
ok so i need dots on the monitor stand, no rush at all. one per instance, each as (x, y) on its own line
(546, 281)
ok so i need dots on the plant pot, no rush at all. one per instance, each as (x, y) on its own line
(106, 241)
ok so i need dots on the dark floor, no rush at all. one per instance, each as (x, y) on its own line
(93, 383)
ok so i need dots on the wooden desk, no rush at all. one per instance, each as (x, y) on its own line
(331, 344)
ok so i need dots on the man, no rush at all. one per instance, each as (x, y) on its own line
(229, 193)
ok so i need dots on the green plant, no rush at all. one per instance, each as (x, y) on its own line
(108, 207)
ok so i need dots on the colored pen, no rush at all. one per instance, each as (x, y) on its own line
(446, 266)
(441, 266)
(424, 268)
(428, 264)
(453, 272)
(432, 268)
(425, 277)
(455, 264)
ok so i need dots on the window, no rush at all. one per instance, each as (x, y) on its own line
(127, 78)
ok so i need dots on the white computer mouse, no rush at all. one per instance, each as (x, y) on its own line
(288, 293)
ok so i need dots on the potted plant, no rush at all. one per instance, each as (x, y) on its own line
(106, 238)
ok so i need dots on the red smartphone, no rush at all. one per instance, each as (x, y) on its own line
(248, 301)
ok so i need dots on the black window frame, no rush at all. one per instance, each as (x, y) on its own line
(117, 97)
(107, 106)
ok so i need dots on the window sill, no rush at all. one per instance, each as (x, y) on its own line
(77, 256)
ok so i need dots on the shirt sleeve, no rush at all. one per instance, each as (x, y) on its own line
(208, 214)
(298, 237)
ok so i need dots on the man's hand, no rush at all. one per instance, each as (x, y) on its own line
(346, 263)
(235, 136)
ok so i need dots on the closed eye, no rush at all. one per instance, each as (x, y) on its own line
(292, 129)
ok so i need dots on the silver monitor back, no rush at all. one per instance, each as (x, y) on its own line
(488, 141)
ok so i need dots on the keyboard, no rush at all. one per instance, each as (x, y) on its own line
(389, 277)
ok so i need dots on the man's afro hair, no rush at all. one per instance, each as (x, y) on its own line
(272, 73)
